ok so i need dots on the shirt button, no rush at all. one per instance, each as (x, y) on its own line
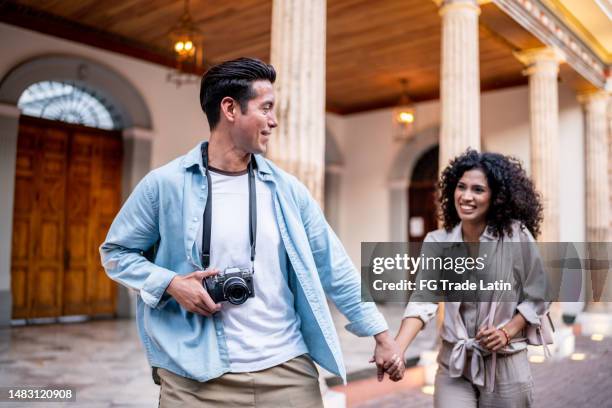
(189, 257)
(195, 219)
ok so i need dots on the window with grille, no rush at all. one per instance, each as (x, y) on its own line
(68, 102)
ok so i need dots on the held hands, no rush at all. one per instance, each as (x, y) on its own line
(491, 338)
(388, 358)
(190, 293)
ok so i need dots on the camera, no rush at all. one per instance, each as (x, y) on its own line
(233, 284)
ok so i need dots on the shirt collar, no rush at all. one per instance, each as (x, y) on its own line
(194, 157)
(456, 235)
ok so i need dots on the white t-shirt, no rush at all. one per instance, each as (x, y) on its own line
(265, 330)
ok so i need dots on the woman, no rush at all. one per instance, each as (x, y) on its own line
(486, 200)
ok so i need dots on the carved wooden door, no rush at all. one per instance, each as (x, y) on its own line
(67, 192)
(422, 199)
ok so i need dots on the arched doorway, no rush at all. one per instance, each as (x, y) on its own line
(67, 192)
(64, 186)
(422, 196)
(400, 176)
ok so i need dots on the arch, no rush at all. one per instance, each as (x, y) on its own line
(333, 155)
(136, 122)
(400, 176)
(92, 75)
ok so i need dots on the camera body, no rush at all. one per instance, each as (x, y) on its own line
(234, 285)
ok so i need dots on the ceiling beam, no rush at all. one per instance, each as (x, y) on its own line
(47, 23)
(498, 83)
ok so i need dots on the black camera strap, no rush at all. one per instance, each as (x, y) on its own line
(207, 227)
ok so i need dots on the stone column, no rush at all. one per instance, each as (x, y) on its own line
(596, 162)
(460, 79)
(597, 197)
(542, 69)
(298, 54)
(609, 138)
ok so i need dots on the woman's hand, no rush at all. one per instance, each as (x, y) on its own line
(395, 368)
(491, 338)
(386, 354)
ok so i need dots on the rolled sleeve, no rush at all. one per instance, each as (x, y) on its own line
(154, 287)
(529, 311)
(370, 325)
(422, 310)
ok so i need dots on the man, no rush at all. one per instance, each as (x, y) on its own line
(258, 220)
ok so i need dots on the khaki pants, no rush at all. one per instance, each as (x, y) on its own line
(294, 384)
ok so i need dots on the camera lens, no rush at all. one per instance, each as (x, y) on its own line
(236, 291)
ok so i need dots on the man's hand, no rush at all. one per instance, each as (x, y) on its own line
(190, 293)
(388, 357)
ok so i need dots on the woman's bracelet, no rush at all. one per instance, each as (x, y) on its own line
(503, 329)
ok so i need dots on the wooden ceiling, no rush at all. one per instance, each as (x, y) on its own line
(370, 45)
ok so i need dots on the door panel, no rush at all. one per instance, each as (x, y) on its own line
(422, 196)
(49, 183)
(77, 223)
(422, 201)
(22, 257)
(105, 203)
(67, 192)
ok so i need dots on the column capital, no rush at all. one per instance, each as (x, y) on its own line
(545, 59)
(590, 97)
(466, 5)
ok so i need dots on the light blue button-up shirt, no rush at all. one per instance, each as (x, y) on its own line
(167, 207)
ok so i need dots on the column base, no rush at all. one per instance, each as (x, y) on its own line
(564, 345)
(126, 303)
(331, 399)
(6, 305)
(334, 399)
(595, 323)
(429, 361)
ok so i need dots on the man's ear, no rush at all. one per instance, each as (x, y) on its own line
(228, 108)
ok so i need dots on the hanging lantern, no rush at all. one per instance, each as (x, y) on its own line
(186, 42)
(403, 116)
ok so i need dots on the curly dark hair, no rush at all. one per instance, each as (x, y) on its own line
(513, 195)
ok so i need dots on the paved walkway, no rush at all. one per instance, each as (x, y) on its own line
(104, 362)
(564, 383)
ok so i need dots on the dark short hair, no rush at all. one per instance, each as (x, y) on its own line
(234, 79)
(513, 195)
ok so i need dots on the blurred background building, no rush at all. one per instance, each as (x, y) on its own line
(373, 99)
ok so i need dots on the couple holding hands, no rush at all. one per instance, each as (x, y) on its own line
(232, 303)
